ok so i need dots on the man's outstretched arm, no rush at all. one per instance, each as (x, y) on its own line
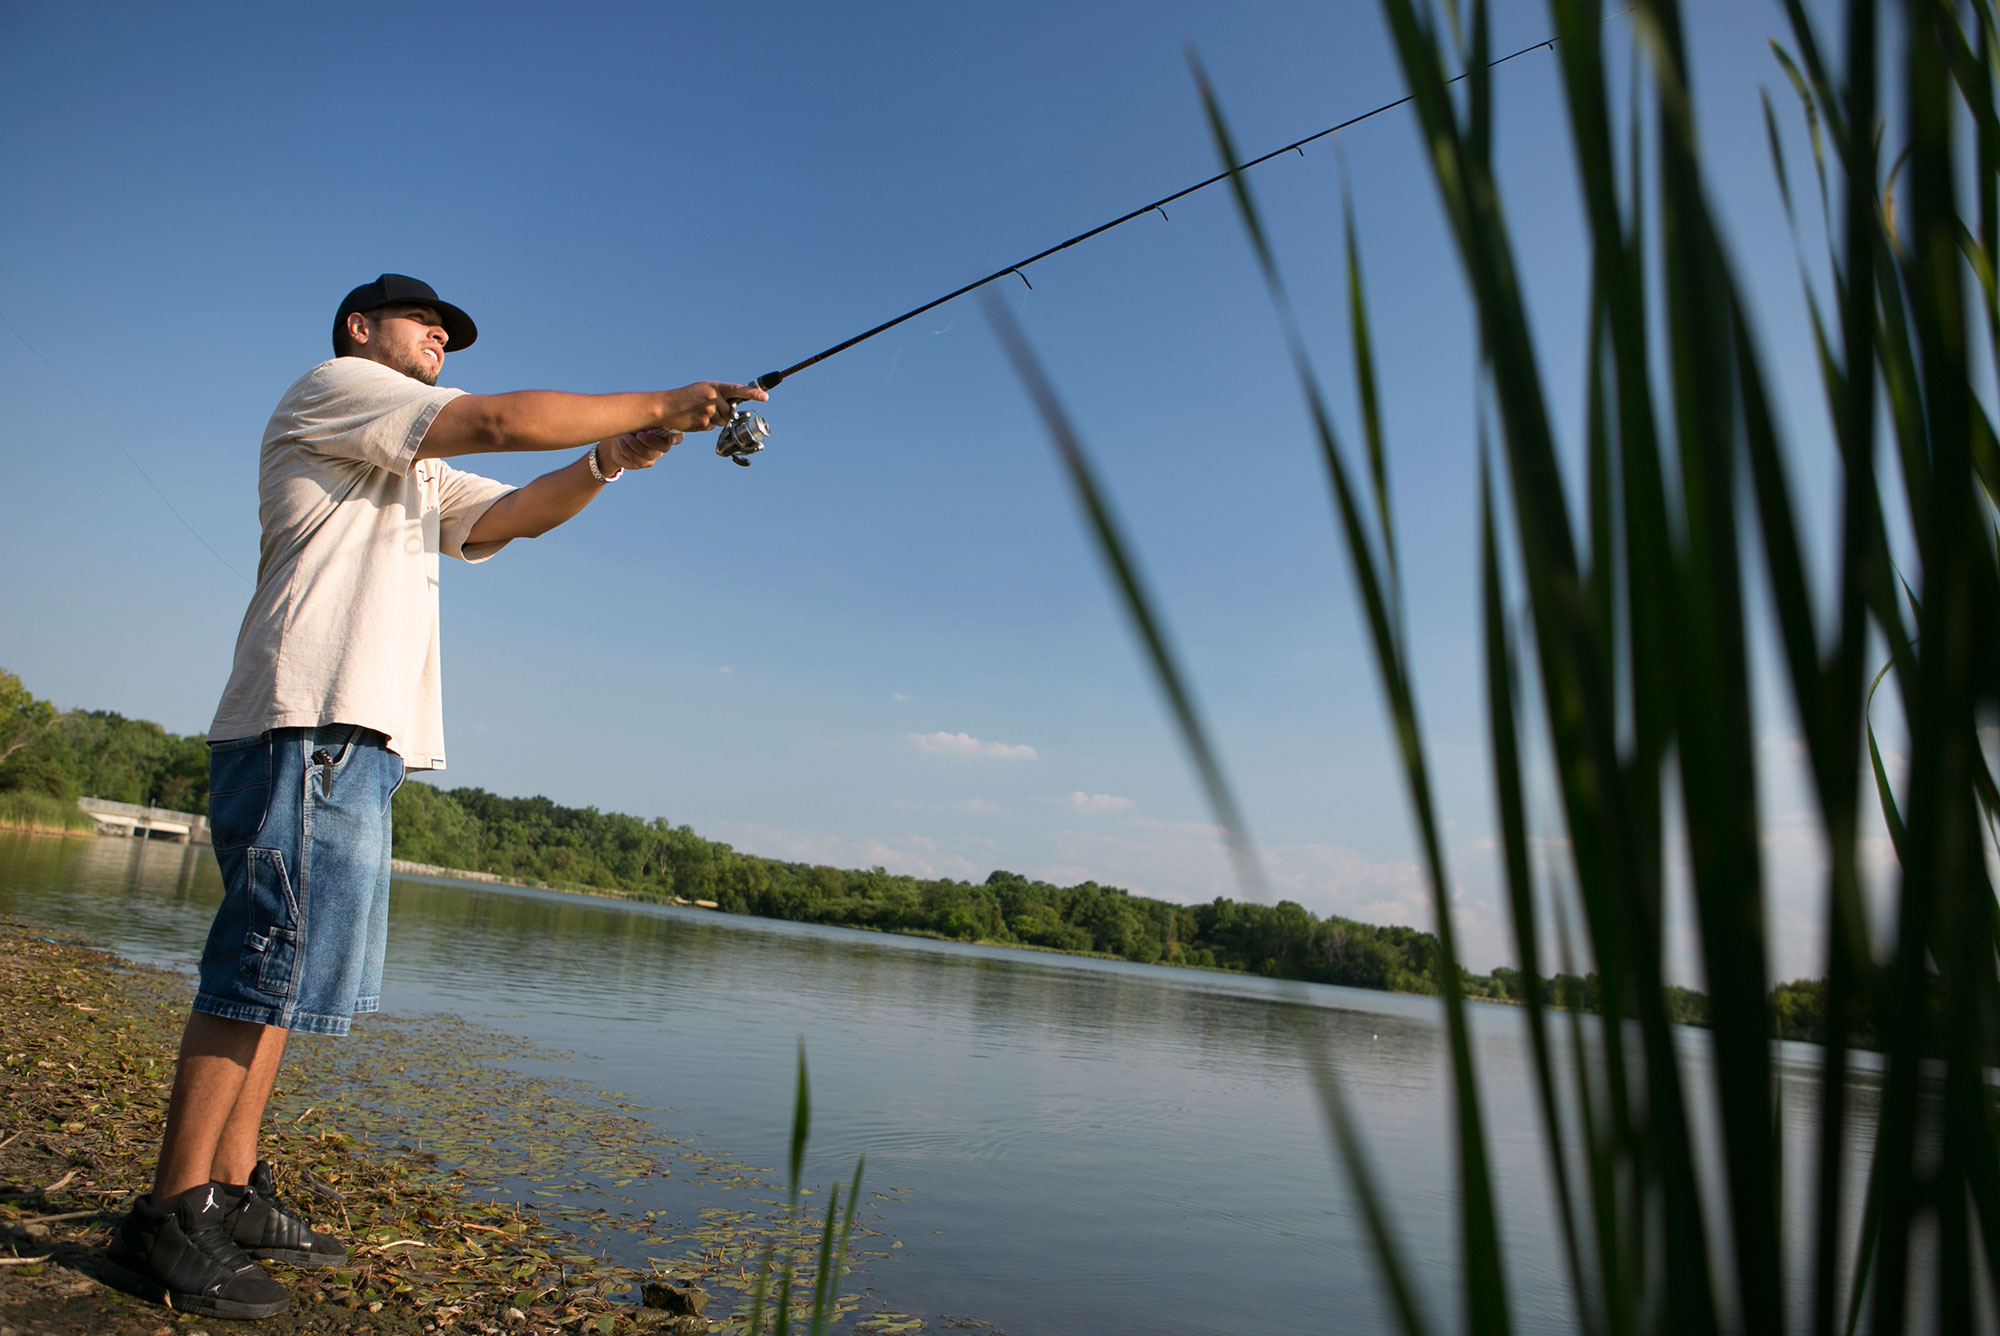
(533, 510)
(475, 424)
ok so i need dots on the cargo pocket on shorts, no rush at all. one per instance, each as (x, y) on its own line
(270, 943)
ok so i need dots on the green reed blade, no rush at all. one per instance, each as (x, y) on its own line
(1864, 252)
(1784, 562)
(1987, 180)
(782, 1323)
(1844, 934)
(1989, 795)
(1985, 455)
(1980, 260)
(1356, 1161)
(1715, 731)
(1486, 1299)
(1574, 666)
(1811, 103)
(1892, 815)
(1479, 86)
(1609, 605)
(1850, 387)
(1968, 1118)
(1520, 883)
(1571, 651)
(1936, 849)
(1983, 1182)
(801, 1124)
(826, 1279)
(1900, 382)
(1371, 411)
(836, 1264)
(1864, 1260)
(1601, 486)
(1114, 550)
(1775, 146)
(754, 1324)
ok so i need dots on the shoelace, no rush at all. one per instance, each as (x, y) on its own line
(212, 1240)
(290, 1220)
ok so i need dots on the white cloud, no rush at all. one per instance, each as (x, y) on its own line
(973, 806)
(1332, 879)
(964, 744)
(897, 695)
(1199, 830)
(726, 672)
(1096, 802)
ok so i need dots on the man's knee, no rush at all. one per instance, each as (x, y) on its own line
(210, 1036)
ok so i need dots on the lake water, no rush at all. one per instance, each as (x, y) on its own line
(1085, 1146)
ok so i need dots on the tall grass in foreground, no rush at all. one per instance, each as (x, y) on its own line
(1636, 647)
(816, 1310)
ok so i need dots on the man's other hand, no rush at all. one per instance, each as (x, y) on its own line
(636, 450)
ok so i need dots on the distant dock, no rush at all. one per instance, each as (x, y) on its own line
(147, 823)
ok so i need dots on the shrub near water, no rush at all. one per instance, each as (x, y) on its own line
(42, 812)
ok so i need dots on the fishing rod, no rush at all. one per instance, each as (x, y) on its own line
(746, 433)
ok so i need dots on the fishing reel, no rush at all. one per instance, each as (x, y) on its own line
(742, 436)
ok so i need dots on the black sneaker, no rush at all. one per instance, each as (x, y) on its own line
(271, 1231)
(181, 1254)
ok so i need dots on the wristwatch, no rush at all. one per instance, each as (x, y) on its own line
(599, 473)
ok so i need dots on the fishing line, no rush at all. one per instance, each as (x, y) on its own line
(130, 458)
(746, 433)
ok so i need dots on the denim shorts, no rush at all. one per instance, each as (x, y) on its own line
(300, 820)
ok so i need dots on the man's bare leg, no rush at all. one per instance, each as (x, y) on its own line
(220, 1087)
(236, 1152)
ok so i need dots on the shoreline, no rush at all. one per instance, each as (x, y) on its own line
(85, 1068)
(404, 868)
(13, 827)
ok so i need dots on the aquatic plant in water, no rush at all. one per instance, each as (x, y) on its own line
(1637, 650)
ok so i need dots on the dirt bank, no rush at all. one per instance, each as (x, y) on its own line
(85, 1062)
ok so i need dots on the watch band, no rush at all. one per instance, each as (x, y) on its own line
(599, 473)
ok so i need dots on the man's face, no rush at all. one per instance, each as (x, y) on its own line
(409, 339)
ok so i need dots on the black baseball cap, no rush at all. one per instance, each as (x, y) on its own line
(399, 290)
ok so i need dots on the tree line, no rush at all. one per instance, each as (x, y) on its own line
(535, 839)
(101, 754)
(96, 754)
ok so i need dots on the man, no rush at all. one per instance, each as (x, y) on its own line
(333, 696)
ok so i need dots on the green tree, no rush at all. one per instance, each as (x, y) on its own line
(23, 716)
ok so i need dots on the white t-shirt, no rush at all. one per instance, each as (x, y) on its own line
(343, 627)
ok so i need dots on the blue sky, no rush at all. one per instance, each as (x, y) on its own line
(888, 642)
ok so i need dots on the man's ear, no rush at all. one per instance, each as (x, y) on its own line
(359, 328)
